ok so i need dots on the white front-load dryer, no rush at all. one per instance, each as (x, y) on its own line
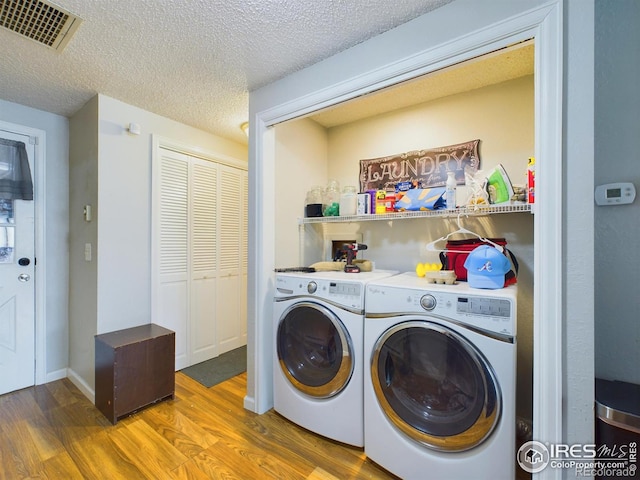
(440, 381)
(318, 360)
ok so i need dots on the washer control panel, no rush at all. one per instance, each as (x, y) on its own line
(494, 307)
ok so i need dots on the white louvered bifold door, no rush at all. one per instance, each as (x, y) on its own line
(244, 255)
(231, 259)
(199, 251)
(170, 249)
(204, 259)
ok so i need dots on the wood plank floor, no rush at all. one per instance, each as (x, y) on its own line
(52, 431)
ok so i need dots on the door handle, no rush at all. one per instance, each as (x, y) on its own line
(24, 277)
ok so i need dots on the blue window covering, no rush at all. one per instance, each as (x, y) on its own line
(15, 174)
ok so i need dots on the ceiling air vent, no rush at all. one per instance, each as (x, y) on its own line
(41, 21)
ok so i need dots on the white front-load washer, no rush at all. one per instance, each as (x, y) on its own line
(440, 381)
(318, 360)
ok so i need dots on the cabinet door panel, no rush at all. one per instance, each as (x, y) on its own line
(230, 207)
(228, 313)
(204, 298)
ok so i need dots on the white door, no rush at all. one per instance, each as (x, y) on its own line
(17, 286)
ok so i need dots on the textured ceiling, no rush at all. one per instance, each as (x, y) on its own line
(190, 60)
(497, 67)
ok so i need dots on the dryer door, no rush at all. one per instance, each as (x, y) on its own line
(314, 349)
(435, 386)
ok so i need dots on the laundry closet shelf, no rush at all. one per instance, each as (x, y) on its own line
(472, 211)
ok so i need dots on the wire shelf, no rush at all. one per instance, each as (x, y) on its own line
(477, 210)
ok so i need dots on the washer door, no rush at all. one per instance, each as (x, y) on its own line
(435, 386)
(314, 349)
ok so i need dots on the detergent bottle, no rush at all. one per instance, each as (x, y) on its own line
(450, 191)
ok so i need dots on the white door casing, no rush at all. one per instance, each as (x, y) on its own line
(17, 288)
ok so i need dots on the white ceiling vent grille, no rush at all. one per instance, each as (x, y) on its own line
(40, 21)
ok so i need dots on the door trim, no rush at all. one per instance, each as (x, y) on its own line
(39, 196)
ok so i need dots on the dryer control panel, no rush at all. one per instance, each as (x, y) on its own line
(342, 293)
(489, 310)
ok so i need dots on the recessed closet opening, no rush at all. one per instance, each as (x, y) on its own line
(308, 150)
(490, 98)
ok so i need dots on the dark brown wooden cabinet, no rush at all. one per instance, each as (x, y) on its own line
(135, 367)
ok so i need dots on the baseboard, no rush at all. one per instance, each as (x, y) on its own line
(53, 376)
(82, 385)
(250, 403)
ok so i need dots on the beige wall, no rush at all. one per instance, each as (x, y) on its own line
(83, 278)
(501, 116)
(301, 163)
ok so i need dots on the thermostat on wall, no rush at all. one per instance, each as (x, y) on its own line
(615, 193)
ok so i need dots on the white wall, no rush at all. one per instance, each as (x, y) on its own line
(124, 198)
(617, 229)
(56, 187)
(578, 228)
(123, 213)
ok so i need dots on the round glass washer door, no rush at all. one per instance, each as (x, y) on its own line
(314, 350)
(435, 386)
